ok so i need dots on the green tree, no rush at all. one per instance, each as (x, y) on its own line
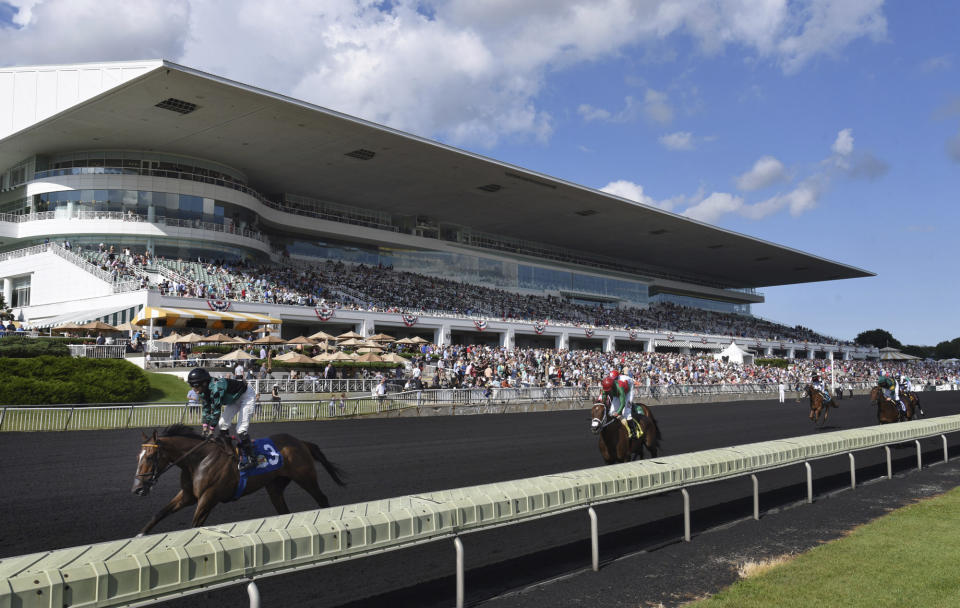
(880, 338)
(924, 352)
(948, 349)
(6, 314)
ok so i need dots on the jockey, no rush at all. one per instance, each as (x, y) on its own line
(616, 389)
(222, 399)
(905, 385)
(817, 383)
(888, 385)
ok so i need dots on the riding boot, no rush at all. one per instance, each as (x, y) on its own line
(249, 460)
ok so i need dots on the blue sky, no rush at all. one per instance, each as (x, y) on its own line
(830, 127)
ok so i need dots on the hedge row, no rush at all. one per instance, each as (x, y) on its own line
(21, 347)
(781, 363)
(49, 380)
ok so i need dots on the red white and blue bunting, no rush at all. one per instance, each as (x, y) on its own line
(480, 325)
(703, 340)
(409, 320)
(632, 334)
(219, 305)
(670, 338)
(324, 313)
(588, 332)
(540, 327)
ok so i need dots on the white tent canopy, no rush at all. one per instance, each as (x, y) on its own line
(735, 354)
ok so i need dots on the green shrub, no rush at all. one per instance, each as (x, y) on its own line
(781, 363)
(53, 380)
(21, 347)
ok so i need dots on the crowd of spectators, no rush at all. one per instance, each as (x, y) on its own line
(383, 289)
(480, 366)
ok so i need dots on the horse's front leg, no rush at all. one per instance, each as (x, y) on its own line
(205, 505)
(181, 500)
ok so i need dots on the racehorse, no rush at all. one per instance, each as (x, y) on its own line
(888, 411)
(913, 405)
(818, 405)
(615, 444)
(209, 476)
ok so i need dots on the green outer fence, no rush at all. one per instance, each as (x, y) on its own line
(141, 570)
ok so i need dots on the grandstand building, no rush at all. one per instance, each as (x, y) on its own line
(185, 165)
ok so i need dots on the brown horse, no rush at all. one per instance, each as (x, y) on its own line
(818, 405)
(208, 471)
(913, 405)
(888, 411)
(615, 444)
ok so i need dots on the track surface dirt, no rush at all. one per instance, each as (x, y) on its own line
(67, 489)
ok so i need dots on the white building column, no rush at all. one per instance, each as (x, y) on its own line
(811, 352)
(563, 341)
(768, 351)
(791, 353)
(8, 291)
(847, 355)
(650, 348)
(366, 328)
(508, 338)
(610, 344)
(441, 337)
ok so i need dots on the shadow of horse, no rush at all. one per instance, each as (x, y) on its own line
(615, 443)
(818, 405)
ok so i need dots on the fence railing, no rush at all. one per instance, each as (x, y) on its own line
(98, 351)
(137, 571)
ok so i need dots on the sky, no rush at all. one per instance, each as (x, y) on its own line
(828, 126)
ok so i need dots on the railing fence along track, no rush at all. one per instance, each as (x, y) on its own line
(142, 570)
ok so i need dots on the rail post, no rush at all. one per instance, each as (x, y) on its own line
(919, 455)
(889, 462)
(686, 514)
(809, 483)
(594, 540)
(756, 497)
(458, 546)
(944, 437)
(853, 472)
(253, 593)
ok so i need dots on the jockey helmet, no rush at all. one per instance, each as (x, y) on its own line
(198, 376)
(614, 374)
(607, 384)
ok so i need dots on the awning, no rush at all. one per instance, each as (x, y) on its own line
(197, 317)
(113, 315)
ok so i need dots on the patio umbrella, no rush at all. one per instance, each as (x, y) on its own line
(301, 340)
(239, 340)
(192, 338)
(341, 357)
(368, 358)
(218, 338)
(321, 335)
(405, 341)
(392, 358)
(352, 342)
(380, 338)
(66, 328)
(370, 349)
(348, 335)
(174, 337)
(126, 327)
(237, 355)
(418, 340)
(323, 357)
(98, 326)
(294, 357)
(271, 339)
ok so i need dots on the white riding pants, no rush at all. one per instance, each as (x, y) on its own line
(615, 406)
(244, 406)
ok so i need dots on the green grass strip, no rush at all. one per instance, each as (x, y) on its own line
(907, 558)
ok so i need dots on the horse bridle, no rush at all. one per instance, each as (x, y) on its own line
(155, 471)
(606, 421)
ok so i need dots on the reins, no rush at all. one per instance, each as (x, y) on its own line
(155, 474)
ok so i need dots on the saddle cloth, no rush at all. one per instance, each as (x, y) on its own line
(826, 395)
(269, 459)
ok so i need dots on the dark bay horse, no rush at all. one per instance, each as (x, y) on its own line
(209, 476)
(615, 444)
(888, 411)
(818, 405)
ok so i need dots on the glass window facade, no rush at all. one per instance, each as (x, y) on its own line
(21, 292)
(701, 303)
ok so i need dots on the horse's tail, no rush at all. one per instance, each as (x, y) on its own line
(333, 470)
(646, 411)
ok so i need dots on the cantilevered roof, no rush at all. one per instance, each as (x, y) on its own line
(286, 145)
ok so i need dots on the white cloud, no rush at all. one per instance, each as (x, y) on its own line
(634, 192)
(457, 69)
(681, 140)
(591, 113)
(713, 207)
(843, 145)
(936, 64)
(765, 172)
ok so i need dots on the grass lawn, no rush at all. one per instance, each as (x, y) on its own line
(907, 558)
(166, 388)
